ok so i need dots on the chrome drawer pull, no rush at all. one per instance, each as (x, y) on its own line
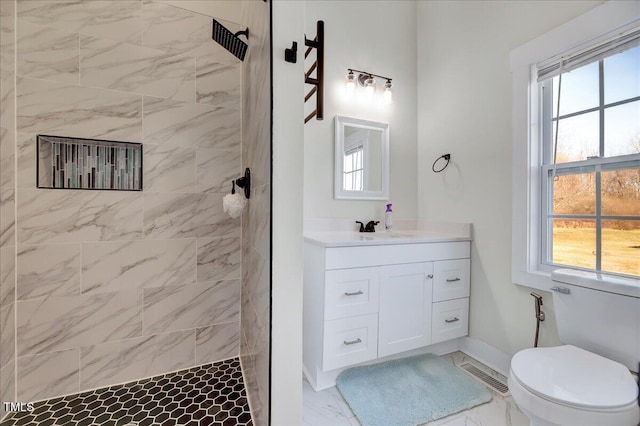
(562, 290)
(454, 319)
(356, 293)
(352, 342)
(453, 280)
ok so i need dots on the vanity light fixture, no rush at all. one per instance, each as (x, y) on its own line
(369, 87)
(350, 83)
(387, 95)
(368, 81)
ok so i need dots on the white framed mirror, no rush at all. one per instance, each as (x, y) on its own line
(361, 159)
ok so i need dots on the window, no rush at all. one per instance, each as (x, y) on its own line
(590, 195)
(578, 211)
(353, 169)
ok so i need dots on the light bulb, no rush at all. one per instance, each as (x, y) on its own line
(387, 95)
(350, 83)
(369, 87)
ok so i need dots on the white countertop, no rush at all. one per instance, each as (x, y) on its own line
(351, 238)
(343, 233)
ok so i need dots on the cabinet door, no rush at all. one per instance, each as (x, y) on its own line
(405, 307)
(350, 292)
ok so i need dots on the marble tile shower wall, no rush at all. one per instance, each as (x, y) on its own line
(116, 286)
(256, 250)
(7, 202)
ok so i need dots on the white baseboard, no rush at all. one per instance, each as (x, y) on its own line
(486, 354)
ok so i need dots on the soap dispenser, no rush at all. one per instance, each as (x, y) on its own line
(388, 220)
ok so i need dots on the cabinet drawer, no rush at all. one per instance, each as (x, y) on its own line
(450, 319)
(451, 279)
(351, 292)
(349, 341)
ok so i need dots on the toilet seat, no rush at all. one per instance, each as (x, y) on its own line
(573, 377)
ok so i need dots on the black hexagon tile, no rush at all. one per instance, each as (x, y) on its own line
(211, 394)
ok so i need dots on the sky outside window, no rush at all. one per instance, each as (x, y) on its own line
(578, 136)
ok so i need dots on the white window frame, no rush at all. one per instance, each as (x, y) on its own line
(588, 29)
(353, 152)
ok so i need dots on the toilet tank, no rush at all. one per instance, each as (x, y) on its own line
(601, 316)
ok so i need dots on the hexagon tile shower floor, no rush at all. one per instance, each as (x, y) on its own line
(211, 394)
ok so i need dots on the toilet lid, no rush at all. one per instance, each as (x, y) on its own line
(573, 376)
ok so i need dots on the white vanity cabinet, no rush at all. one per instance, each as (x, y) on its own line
(365, 302)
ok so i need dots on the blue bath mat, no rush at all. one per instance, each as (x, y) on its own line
(409, 391)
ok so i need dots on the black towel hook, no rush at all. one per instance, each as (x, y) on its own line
(446, 157)
(245, 182)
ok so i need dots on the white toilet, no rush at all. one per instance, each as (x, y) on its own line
(587, 381)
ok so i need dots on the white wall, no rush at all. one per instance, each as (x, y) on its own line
(379, 37)
(286, 293)
(464, 108)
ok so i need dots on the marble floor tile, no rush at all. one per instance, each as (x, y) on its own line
(501, 411)
(324, 408)
(460, 421)
(328, 408)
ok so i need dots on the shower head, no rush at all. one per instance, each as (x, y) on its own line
(229, 40)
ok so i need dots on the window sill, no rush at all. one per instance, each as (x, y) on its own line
(598, 281)
(537, 280)
(543, 281)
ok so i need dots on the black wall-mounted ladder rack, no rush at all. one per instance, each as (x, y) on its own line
(317, 66)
